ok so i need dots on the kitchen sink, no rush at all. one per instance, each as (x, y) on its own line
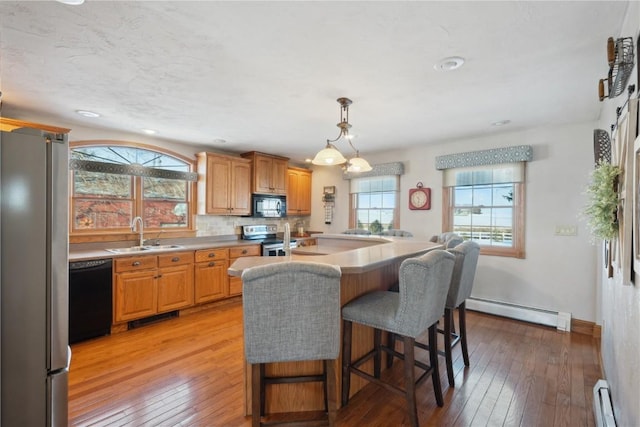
(135, 249)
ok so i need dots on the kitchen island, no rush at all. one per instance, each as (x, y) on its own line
(368, 263)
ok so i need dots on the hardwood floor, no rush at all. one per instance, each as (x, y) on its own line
(188, 371)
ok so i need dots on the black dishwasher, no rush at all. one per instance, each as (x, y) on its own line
(90, 299)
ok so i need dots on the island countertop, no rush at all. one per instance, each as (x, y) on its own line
(343, 250)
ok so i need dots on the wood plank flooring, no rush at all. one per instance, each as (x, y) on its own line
(188, 371)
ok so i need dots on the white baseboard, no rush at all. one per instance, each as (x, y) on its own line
(559, 320)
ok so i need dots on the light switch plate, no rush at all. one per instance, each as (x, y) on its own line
(566, 230)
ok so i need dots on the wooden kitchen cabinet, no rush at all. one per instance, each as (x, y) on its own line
(235, 283)
(211, 279)
(224, 185)
(175, 281)
(152, 284)
(298, 191)
(269, 173)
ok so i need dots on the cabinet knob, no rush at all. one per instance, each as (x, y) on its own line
(135, 263)
(212, 264)
(244, 252)
(175, 259)
(211, 255)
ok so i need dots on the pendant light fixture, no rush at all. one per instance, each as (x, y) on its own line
(330, 155)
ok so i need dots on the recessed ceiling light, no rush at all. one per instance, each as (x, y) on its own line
(149, 131)
(71, 2)
(501, 123)
(449, 64)
(219, 141)
(86, 113)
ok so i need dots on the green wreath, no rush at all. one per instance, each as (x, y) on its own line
(602, 208)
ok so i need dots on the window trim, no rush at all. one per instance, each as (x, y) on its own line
(77, 236)
(517, 251)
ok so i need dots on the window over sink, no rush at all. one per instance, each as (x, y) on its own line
(113, 183)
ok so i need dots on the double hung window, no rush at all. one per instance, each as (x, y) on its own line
(374, 203)
(486, 204)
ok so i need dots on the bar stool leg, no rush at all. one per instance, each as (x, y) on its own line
(448, 320)
(331, 393)
(433, 359)
(463, 332)
(256, 387)
(377, 341)
(391, 343)
(409, 380)
(346, 361)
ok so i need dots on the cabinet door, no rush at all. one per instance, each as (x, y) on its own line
(136, 295)
(175, 287)
(211, 281)
(298, 192)
(240, 188)
(279, 176)
(304, 193)
(218, 185)
(292, 192)
(262, 170)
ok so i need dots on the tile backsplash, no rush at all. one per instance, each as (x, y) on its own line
(216, 225)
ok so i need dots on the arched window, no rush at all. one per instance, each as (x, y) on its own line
(112, 184)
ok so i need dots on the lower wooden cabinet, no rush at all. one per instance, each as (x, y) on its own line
(211, 280)
(152, 284)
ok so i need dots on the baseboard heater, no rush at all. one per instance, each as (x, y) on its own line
(602, 407)
(559, 320)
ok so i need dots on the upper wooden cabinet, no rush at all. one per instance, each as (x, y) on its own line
(298, 191)
(269, 173)
(224, 185)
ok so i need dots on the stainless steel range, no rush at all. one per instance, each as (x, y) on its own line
(266, 235)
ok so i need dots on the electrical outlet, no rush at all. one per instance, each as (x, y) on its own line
(566, 230)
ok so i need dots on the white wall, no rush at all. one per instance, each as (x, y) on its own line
(620, 305)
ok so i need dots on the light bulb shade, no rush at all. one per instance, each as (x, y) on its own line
(358, 164)
(328, 156)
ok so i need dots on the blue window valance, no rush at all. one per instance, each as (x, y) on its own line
(494, 156)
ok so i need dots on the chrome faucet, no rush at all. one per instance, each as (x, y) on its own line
(140, 228)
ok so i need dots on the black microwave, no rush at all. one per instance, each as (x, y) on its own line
(266, 206)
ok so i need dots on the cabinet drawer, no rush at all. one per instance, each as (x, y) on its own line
(244, 251)
(176, 258)
(211, 255)
(135, 263)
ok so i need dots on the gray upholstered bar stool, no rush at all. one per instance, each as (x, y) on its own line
(466, 260)
(397, 233)
(464, 273)
(359, 231)
(292, 313)
(449, 239)
(424, 283)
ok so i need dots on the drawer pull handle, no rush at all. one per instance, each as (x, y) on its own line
(212, 264)
(244, 252)
(175, 259)
(212, 254)
(135, 263)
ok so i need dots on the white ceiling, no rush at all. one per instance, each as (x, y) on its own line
(265, 75)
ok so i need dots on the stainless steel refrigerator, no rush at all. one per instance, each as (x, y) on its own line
(34, 352)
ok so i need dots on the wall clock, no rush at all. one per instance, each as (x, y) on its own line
(419, 198)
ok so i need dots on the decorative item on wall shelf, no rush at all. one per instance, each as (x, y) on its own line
(620, 57)
(601, 146)
(419, 197)
(602, 208)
